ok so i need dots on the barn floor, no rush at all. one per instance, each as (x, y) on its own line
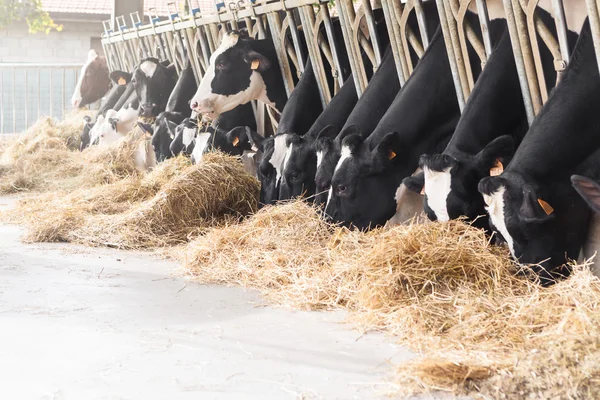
(83, 323)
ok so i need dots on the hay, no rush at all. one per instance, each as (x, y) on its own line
(45, 159)
(442, 289)
(163, 208)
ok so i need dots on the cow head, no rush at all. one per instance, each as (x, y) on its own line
(363, 187)
(300, 164)
(185, 137)
(108, 128)
(543, 223)
(233, 77)
(450, 183)
(153, 83)
(93, 81)
(164, 133)
(270, 169)
(85, 141)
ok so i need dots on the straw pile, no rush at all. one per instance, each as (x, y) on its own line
(163, 208)
(439, 288)
(43, 159)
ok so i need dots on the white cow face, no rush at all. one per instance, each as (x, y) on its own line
(233, 78)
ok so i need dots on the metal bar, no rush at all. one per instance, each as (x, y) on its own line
(63, 92)
(275, 27)
(561, 29)
(345, 21)
(519, 61)
(368, 9)
(394, 35)
(14, 99)
(332, 42)
(296, 39)
(526, 49)
(2, 101)
(484, 21)
(26, 101)
(51, 97)
(422, 22)
(39, 94)
(451, 56)
(594, 16)
(311, 34)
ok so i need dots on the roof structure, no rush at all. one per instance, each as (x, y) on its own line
(104, 7)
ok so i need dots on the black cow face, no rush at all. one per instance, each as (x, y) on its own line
(232, 78)
(327, 157)
(85, 133)
(185, 137)
(363, 187)
(267, 174)
(543, 223)
(235, 142)
(450, 184)
(153, 84)
(164, 133)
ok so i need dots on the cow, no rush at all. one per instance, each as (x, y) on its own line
(300, 162)
(372, 165)
(185, 137)
(93, 81)
(532, 206)
(240, 70)
(153, 83)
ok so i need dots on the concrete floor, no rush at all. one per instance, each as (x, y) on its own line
(82, 323)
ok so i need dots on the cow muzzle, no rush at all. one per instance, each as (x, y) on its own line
(206, 107)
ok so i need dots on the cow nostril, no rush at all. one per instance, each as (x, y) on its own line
(194, 105)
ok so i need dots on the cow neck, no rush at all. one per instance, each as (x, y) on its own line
(272, 76)
(495, 106)
(425, 111)
(377, 97)
(565, 132)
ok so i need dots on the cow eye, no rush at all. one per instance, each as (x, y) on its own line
(221, 65)
(341, 189)
(295, 175)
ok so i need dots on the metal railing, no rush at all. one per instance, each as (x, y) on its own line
(29, 91)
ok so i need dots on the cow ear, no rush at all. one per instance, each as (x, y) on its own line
(164, 63)
(388, 152)
(238, 136)
(257, 61)
(92, 55)
(171, 128)
(329, 131)
(588, 189)
(120, 77)
(496, 154)
(254, 137)
(416, 182)
(534, 209)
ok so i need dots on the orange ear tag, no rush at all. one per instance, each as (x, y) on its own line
(546, 207)
(391, 155)
(236, 140)
(255, 64)
(122, 81)
(497, 169)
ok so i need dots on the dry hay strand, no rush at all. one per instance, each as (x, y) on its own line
(477, 324)
(47, 133)
(165, 211)
(51, 217)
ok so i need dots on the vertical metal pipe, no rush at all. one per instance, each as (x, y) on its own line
(520, 63)
(394, 35)
(295, 38)
(527, 39)
(14, 99)
(484, 21)
(561, 29)
(63, 92)
(451, 55)
(39, 94)
(422, 22)
(594, 16)
(372, 29)
(345, 23)
(26, 101)
(2, 101)
(332, 42)
(308, 23)
(51, 97)
(275, 27)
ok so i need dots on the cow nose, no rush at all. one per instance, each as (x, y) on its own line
(75, 103)
(203, 106)
(147, 109)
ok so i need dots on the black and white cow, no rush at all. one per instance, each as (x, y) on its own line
(371, 166)
(153, 83)
(240, 70)
(185, 137)
(532, 205)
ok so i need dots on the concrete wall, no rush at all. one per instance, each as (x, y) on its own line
(69, 46)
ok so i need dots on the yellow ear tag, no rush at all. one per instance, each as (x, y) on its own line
(122, 81)
(546, 207)
(236, 140)
(391, 155)
(497, 169)
(255, 64)
(422, 191)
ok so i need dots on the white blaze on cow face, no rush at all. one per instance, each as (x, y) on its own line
(200, 148)
(437, 189)
(320, 156)
(77, 97)
(288, 155)
(345, 154)
(187, 136)
(495, 208)
(148, 68)
(279, 153)
(212, 104)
